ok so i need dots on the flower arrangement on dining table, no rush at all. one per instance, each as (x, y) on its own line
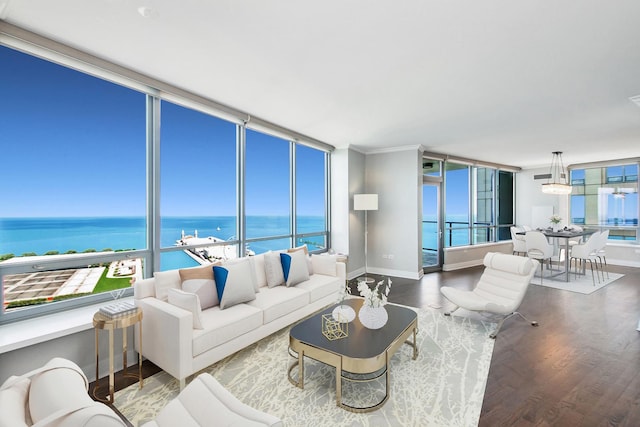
(555, 219)
(375, 297)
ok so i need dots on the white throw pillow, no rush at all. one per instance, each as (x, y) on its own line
(187, 301)
(13, 404)
(261, 276)
(324, 264)
(273, 269)
(251, 262)
(165, 280)
(294, 267)
(205, 289)
(310, 265)
(235, 283)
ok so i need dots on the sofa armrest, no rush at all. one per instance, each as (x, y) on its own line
(144, 288)
(167, 336)
(341, 270)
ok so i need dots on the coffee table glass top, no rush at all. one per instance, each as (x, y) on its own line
(362, 343)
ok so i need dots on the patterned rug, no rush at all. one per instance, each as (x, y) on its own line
(444, 386)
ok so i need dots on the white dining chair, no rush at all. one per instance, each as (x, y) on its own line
(586, 252)
(519, 244)
(539, 248)
(601, 252)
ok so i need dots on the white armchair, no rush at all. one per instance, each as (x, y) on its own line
(53, 395)
(501, 288)
(205, 402)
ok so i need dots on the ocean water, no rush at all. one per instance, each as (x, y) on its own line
(41, 235)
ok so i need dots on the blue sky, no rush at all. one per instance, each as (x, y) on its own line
(74, 145)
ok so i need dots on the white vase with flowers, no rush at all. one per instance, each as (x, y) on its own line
(555, 221)
(372, 314)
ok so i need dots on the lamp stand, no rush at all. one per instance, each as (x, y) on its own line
(366, 279)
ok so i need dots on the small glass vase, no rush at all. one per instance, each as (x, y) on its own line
(373, 317)
(343, 314)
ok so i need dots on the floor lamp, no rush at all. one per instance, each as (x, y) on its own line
(365, 202)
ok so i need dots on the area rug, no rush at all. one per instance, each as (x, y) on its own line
(581, 284)
(444, 386)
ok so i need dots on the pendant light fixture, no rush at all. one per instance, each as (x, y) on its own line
(559, 179)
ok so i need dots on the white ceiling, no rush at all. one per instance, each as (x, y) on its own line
(502, 81)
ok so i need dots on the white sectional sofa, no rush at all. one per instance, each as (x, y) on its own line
(185, 328)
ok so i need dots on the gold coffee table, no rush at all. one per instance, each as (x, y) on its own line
(364, 354)
(100, 321)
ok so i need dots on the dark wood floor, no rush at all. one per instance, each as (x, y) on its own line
(581, 367)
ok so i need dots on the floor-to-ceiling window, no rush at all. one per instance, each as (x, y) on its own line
(73, 192)
(311, 205)
(268, 185)
(478, 204)
(104, 184)
(457, 209)
(606, 197)
(483, 215)
(197, 188)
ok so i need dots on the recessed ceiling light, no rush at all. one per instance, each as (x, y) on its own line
(635, 100)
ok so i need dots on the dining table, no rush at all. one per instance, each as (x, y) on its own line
(566, 234)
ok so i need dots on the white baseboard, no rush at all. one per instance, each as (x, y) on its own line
(396, 273)
(461, 265)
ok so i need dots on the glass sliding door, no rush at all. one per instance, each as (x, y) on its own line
(431, 227)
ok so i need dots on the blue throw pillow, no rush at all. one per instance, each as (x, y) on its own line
(220, 275)
(294, 267)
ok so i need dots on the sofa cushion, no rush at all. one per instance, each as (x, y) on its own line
(204, 272)
(205, 289)
(319, 286)
(302, 248)
(294, 267)
(13, 404)
(324, 264)
(187, 301)
(220, 326)
(273, 269)
(165, 280)
(235, 283)
(279, 301)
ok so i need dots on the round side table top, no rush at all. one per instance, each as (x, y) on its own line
(102, 321)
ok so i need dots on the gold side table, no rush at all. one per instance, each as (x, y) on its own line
(100, 321)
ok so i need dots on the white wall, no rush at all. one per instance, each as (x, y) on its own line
(78, 347)
(340, 202)
(529, 196)
(347, 226)
(395, 229)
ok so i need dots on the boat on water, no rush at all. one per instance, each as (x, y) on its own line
(209, 254)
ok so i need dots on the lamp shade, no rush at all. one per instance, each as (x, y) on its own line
(365, 202)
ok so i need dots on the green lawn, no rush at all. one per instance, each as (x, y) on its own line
(106, 284)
